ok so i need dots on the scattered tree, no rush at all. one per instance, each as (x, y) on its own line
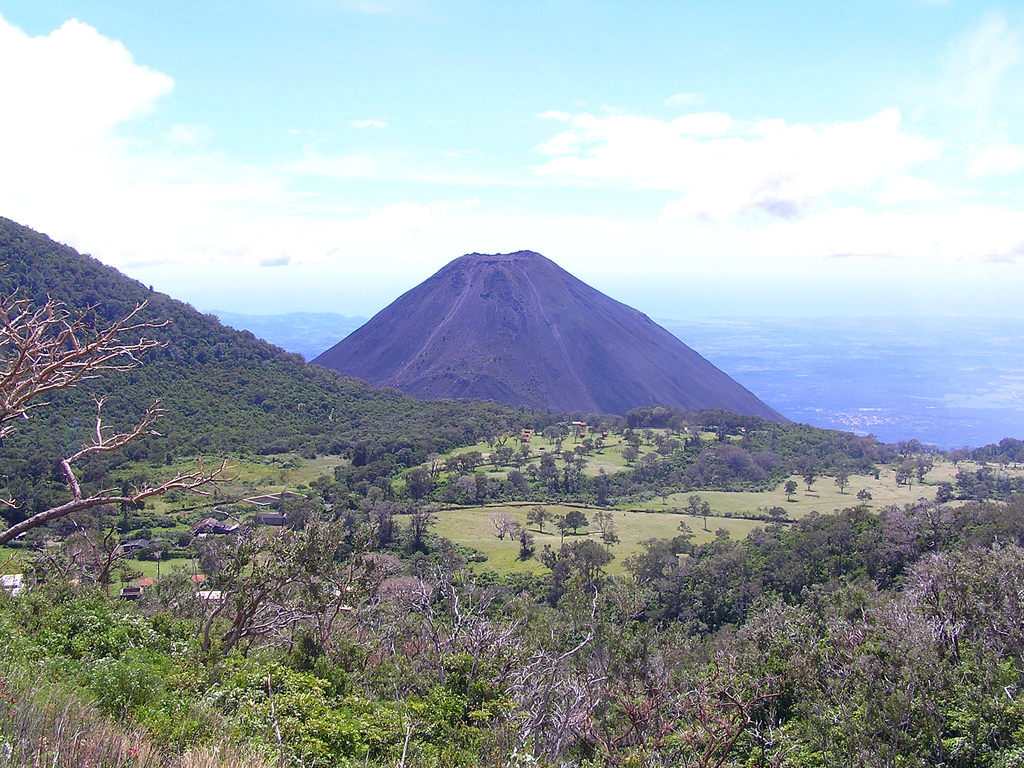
(698, 507)
(526, 546)
(505, 524)
(537, 516)
(575, 519)
(808, 478)
(790, 489)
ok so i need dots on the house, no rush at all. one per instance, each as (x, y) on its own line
(213, 526)
(134, 545)
(271, 518)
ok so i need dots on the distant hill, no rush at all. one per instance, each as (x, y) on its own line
(307, 333)
(518, 329)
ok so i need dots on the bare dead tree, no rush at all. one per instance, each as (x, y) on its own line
(50, 348)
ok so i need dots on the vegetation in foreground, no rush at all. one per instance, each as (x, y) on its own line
(893, 638)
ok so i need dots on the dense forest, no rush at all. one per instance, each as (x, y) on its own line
(354, 635)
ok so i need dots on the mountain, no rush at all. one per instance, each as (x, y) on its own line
(519, 329)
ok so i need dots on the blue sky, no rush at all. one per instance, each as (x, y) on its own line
(689, 158)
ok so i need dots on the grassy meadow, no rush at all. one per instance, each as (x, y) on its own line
(635, 521)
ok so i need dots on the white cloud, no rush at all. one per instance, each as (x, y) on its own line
(188, 135)
(725, 167)
(979, 59)
(684, 100)
(368, 124)
(163, 202)
(904, 189)
(566, 143)
(997, 160)
(73, 84)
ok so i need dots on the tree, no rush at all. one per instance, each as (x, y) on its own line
(418, 483)
(603, 520)
(537, 516)
(842, 480)
(526, 546)
(790, 489)
(575, 519)
(419, 524)
(808, 478)
(608, 535)
(864, 495)
(699, 507)
(49, 348)
(505, 524)
(562, 524)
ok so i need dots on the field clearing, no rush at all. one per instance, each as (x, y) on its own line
(824, 496)
(607, 458)
(471, 527)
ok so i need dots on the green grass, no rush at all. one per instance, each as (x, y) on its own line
(471, 527)
(149, 567)
(824, 496)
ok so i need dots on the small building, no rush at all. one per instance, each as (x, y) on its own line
(130, 593)
(133, 545)
(212, 526)
(271, 518)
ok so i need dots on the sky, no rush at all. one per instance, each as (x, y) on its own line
(688, 158)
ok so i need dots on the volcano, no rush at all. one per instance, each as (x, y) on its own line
(519, 329)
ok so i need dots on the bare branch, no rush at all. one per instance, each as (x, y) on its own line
(50, 348)
(191, 481)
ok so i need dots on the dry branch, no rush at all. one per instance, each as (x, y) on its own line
(50, 348)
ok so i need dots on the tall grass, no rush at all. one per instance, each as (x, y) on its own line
(45, 725)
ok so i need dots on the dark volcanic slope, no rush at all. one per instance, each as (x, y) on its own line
(519, 329)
